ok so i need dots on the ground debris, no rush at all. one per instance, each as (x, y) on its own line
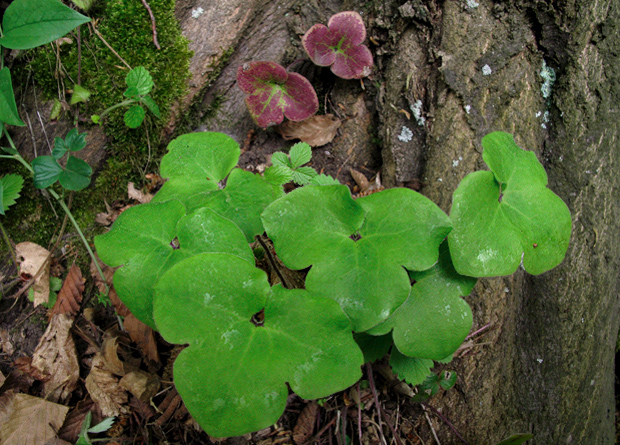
(105, 390)
(70, 295)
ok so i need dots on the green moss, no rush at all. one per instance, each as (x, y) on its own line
(126, 26)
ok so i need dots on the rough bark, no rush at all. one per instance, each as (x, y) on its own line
(547, 367)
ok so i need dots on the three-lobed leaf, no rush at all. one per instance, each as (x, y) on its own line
(72, 142)
(507, 215)
(340, 45)
(150, 238)
(273, 93)
(358, 250)
(31, 23)
(255, 339)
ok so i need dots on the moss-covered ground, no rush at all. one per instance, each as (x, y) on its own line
(126, 27)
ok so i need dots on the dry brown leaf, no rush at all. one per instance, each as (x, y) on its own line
(56, 357)
(112, 212)
(361, 180)
(104, 389)
(24, 364)
(142, 385)
(2, 378)
(315, 131)
(70, 295)
(34, 262)
(143, 336)
(305, 423)
(32, 421)
(110, 352)
(137, 195)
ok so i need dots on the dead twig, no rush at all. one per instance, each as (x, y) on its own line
(432, 428)
(105, 42)
(371, 381)
(148, 8)
(446, 421)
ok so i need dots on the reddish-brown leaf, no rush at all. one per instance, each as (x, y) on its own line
(73, 422)
(70, 295)
(305, 423)
(143, 336)
(315, 131)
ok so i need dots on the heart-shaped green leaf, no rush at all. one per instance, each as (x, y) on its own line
(507, 215)
(434, 320)
(76, 174)
(144, 241)
(8, 108)
(357, 249)
(10, 186)
(246, 340)
(31, 23)
(274, 93)
(46, 171)
(140, 79)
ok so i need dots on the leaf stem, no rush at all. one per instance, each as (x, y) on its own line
(79, 231)
(120, 104)
(8, 243)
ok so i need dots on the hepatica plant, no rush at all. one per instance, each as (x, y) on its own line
(384, 271)
(340, 45)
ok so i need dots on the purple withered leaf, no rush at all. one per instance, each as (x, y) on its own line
(339, 45)
(274, 93)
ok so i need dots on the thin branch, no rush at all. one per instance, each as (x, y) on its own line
(110, 47)
(446, 421)
(148, 8)
(371, 380)
(272, 261)
(432, 428)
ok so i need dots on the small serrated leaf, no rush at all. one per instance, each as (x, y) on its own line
(412, 370)
(300, 154)
(281, 158)
(102, 426)
(131, 92)
(10, 186)
(278, 174)
(134, 116)
(323, 179)
(303, 175)
(141, 79)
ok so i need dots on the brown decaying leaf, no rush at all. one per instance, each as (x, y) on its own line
(361, 180)
(315, 131)
(24, 364)
(31, 421)
(137, 195)
(34, 262)
(56, 357)
(73, 422)
(104, 389)
(70, 295)
(143, 336)
(110, 350)
(142, 385)
(305, 423)
(112, 212)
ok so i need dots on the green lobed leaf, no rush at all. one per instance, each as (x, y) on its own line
(76, 174)
(134, 116)
(316, 226)
(374, 347)
(507, 215)
(300, 154)
(141, 79)
(205, 155)
(302, 340)
(10, 186)
(46, 171)
(8, 108)
(31, 23)
(412, 370)
(243, 200)
(434, 320)
(141, 240)
(80, 94)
